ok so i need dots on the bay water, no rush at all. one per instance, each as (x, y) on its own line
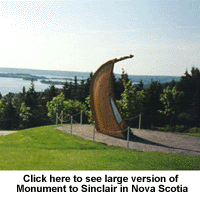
(15, 85)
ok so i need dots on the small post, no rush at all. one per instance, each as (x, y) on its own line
(71, 123)
(81, 117)
(94, 131)
(128, 137)
(61, 117)
(140, 118)
(56, 118)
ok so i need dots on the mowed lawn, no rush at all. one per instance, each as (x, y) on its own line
(45, 148)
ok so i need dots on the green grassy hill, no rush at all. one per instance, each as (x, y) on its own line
(45, 148)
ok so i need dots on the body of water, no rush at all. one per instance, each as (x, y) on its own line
(15, 85)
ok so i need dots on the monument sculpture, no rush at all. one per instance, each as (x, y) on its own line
(105, 112)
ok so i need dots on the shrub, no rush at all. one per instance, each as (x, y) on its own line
(180, 128)
(194, 130)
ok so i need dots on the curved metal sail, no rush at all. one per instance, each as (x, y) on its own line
(105, 112)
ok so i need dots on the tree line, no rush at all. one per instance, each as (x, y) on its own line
(174, 104)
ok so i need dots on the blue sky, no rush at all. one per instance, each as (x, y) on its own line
(80, 35)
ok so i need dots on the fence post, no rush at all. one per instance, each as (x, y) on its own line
(94, 131)
(81, 117)
(128, 137)
(71, 123)
(56, 118)
(140, 118)
(61, 117)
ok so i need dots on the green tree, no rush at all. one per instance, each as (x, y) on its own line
(31, 97)
(118, 87)
(75, 84)
(22, 96)
(55, 106)
(87, 84)
(119, 84)
(131, 103)
(32, 101)
(88, 111)
(140, 86)
(72, 107)
(67, 90)
(124, 76)
(152, 104)
(24, 115)
(82, 93)
(2, 106)
(69, 107)
(10, 117)
(190, 106)
(171, 99)
(52, 92)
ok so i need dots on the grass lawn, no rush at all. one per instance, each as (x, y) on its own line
(191, 134)
(45, 148)
(195, 131)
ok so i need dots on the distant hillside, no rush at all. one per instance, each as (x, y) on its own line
(146, 79)
(45, 72)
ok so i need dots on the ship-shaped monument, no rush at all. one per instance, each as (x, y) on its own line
(105, 113)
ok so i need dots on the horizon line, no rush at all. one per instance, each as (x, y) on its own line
(91, 72)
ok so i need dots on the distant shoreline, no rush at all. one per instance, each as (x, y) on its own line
(30, 77)
(64, 73)
(44, 78)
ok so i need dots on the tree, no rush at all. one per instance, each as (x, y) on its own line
(140, 86)
(31, 97)
(24, 115)
(67, 90)
(152, 104)
(23, 94)
(118, 87)
(87, 84)
(2, 106)
(171, 99)
(32, 101)
(82, 93)
(190, 105)
(75, 84)
(52, 92)
(124, 76)
(131, 103)
(119, 84)
(74, 92)
(55, 106)
(88, 111)
(69, 107)
(8, 97)
(72, 107)
(10, 117)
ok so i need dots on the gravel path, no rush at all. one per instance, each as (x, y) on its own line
(6, 132)
(144, 140)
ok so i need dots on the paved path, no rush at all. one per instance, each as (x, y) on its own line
(6, 132)
(144, 140)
